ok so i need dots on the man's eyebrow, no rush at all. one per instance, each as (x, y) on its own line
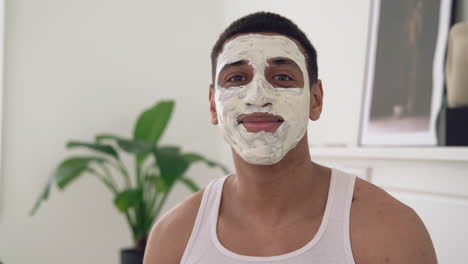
(233, 64)
(281, 61)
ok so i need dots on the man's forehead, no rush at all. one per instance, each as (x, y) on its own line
(256, 47)
(264, 35)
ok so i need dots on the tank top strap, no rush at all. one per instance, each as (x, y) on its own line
(201, 229)
(338, 230)
(342, 194)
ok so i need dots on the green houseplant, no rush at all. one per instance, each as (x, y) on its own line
(140, 195)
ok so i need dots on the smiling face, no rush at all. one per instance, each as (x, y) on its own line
(262, 96)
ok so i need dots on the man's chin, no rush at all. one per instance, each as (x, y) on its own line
(262, 156)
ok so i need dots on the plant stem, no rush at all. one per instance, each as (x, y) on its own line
(125, 173)
(160, 205)
(137, 172)
(108, 174)
(104, 180)
(148, 195)
(130, 222)
(140, 209)
(152, 202)
(121, 167)
(110, 185)
(147, 170)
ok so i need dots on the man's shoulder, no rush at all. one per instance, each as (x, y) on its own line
(385, 230)
(170, 234)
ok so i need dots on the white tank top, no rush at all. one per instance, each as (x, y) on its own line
(330, 245)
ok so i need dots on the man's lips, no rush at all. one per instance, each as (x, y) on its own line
(257, 122)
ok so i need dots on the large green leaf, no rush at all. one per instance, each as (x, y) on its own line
(71, 168)
(63, 175)
(190, 184)
(172, 165)
(129, 198)
(195, 157)
(136, 146)
(128, 145)
(102, 137)
(151, 123)
(43, 196)
(103, 148)
(159, 183)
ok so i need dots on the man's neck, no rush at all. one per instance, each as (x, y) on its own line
(268, 192)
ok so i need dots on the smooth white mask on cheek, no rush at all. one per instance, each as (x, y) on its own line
(259, 96)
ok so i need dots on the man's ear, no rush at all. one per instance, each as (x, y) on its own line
(214, 116)
(316, 100)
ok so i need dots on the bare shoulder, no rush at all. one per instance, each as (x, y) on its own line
(384, 230)
(170, 234)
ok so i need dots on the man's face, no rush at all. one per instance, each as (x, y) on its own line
(262, 96)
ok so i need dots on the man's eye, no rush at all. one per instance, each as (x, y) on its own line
(282, 77)
(237, 78)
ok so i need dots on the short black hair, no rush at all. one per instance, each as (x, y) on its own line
(269, 23)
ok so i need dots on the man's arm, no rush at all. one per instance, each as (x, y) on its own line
(169, 236)
(384, 230)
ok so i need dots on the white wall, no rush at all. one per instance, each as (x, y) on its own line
(2, 27)
(76, 68)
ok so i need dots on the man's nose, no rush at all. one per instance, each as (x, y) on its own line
(259, 94)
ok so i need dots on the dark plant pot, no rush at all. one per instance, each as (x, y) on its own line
(131, 256)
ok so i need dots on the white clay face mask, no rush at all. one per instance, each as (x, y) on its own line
(260, 96)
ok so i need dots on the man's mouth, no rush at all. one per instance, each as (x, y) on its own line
(257, 122)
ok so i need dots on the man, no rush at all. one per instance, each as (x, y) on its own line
(279, 206)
